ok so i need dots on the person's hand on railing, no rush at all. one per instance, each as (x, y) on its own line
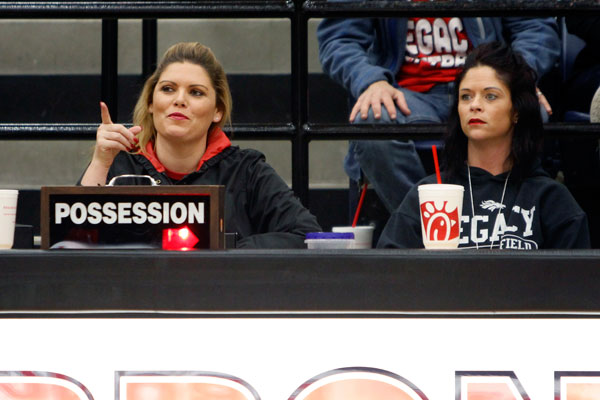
(110, 140)
(377, 94)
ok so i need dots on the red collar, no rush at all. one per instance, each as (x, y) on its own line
(216, 142)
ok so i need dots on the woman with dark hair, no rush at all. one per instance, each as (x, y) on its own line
(494, 133)
(177, 140)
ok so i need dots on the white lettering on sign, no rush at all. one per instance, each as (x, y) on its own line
(178, 213)
(196, 213)
(94, 213)
(129, 213)
(61, 210)
(78, 213)
(124, 213)
(110, 216)
(139, 213)
(155, 216)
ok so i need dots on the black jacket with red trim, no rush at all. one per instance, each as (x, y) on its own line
(259, 206)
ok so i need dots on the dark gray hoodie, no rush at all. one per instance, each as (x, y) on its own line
(537, 213)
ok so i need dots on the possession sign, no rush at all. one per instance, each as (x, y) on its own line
(167, 217)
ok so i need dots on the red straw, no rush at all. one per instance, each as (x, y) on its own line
(437, 164)
(360, 203)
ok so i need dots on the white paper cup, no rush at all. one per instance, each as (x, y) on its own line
(8, 215)
(440, 206)
(363, 235)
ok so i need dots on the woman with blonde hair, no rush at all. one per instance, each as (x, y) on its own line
(177, 140)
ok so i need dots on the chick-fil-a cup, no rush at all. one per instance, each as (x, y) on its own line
(440, 206)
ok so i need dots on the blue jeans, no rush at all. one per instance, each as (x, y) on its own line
(392, 167)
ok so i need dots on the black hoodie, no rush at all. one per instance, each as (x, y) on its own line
(537, 213)
(259, 206)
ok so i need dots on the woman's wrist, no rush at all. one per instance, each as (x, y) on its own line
(96, 174)
(102, 159)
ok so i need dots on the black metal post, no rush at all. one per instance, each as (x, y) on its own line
(149, 46)
(299, 49)
(110, 73)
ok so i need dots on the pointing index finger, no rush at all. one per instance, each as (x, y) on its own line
(105, 114)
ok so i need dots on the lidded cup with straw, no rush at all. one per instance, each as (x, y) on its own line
(363, 235)
(440, 206)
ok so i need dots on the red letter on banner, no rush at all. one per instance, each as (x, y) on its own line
(479, 385)
(576, 385)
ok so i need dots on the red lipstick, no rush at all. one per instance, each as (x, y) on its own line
(476, 121)
(178, 116)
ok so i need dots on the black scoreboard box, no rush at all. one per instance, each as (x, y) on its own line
(152, 217)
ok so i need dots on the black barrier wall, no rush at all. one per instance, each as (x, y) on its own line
(491, 282)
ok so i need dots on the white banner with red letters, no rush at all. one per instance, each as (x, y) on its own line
(299, 358)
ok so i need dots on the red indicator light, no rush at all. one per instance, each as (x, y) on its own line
(179, 239)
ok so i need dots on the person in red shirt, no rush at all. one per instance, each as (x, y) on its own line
(402, 71)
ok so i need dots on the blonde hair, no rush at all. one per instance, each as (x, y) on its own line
(191, 52)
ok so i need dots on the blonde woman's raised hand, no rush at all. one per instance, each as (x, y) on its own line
(112, 138)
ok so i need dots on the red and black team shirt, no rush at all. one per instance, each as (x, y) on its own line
(436, 49)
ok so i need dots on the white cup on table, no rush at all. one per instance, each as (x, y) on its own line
(363, 235)
(8, 216)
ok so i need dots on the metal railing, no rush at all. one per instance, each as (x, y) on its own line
(299, 130)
